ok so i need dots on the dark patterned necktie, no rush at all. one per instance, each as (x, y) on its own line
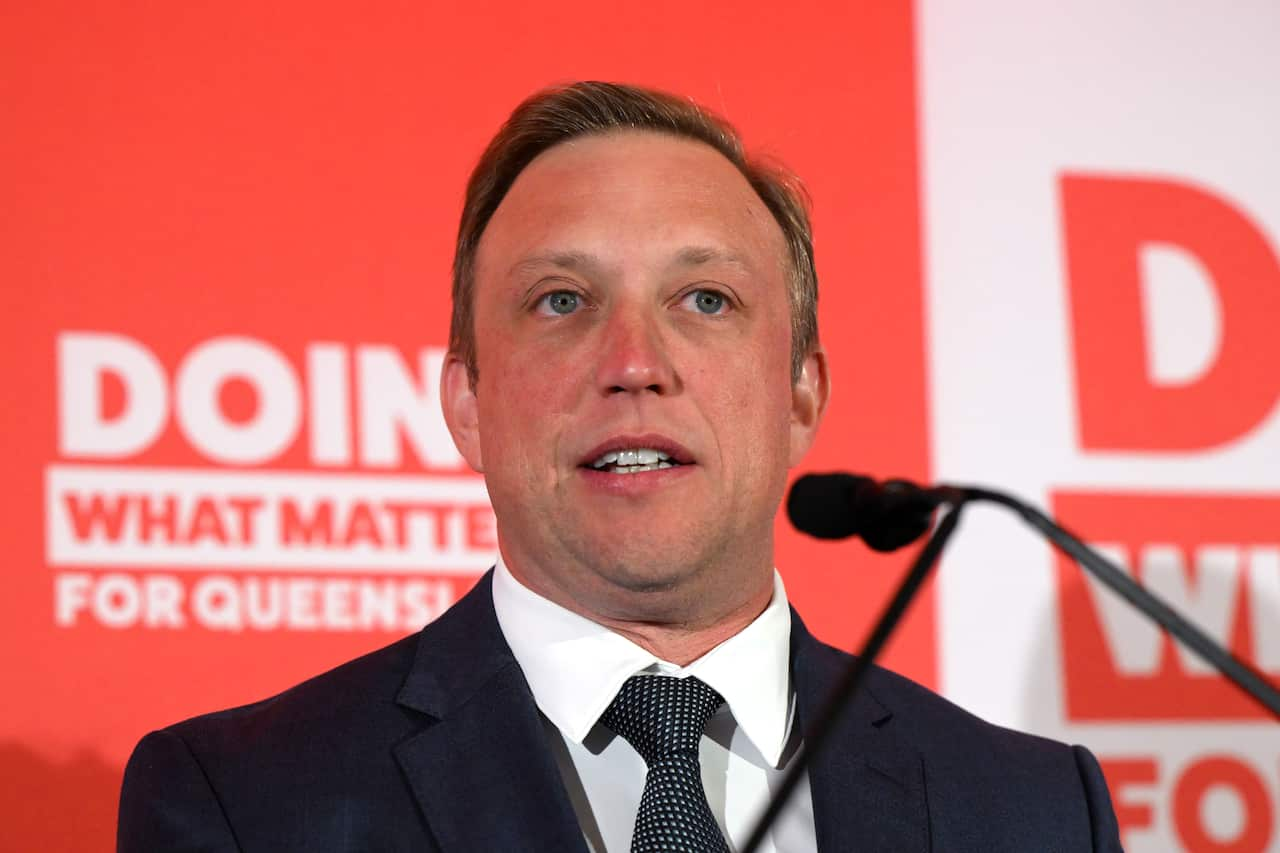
(663, 719)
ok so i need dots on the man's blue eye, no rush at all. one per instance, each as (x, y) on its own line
(708, 301)
(561, 302)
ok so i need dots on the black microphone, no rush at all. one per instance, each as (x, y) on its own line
(886, 515)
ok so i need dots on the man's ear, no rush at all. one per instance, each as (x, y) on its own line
(809, 396)
(461, 412)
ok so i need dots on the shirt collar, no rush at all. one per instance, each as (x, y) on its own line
(575, 666)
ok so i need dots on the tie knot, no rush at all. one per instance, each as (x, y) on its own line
(662, 716)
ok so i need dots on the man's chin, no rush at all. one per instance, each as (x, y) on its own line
(650, 578)
(644, 583)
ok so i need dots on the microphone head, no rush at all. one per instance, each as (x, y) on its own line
(900, 516)
(823, 505)
(836, 506)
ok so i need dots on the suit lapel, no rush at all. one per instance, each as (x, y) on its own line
(867, 783)
(482, 772)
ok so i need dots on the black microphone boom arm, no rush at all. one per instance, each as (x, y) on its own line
(1244, 676)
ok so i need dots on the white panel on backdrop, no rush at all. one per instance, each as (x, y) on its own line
(1032, 114)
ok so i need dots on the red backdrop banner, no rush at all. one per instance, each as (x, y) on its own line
(226, 259)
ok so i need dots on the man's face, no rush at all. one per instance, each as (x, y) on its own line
(631, 296)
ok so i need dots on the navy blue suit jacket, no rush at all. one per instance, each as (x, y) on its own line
(434, 743)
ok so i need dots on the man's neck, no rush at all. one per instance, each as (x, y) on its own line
(679, 631)
(680, 644)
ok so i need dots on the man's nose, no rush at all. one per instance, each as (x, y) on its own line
(635, 356)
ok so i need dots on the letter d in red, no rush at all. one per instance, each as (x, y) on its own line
(1107, 220)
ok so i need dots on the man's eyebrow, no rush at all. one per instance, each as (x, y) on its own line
(565, 260)
(692, 256)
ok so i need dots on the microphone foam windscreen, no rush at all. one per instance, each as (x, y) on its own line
(822, 505)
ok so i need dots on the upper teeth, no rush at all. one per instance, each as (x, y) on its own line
(637, 456)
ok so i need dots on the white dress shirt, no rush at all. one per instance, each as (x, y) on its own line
(575, 667)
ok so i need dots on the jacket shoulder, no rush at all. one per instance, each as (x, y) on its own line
(341, 697)
(939, 726)
(281, 773)
(979, 775)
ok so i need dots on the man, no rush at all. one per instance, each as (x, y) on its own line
(633, 366)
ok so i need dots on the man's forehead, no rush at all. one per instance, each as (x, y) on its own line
(575, 182)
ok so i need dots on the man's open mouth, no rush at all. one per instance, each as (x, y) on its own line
(636, 454)
(634, 461)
